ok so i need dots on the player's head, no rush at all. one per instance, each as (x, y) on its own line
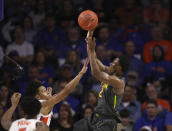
(119, 65)
(31, 107)
(37, 90)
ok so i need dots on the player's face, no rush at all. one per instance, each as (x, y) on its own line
(113, 66)
(43, 93)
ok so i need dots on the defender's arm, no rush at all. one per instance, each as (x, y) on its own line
(68, 88)
(6, 118)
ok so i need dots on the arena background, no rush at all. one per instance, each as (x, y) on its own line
(43, 36)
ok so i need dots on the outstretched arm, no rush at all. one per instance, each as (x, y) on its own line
(6, 118)
(115, 82)
(68, 88)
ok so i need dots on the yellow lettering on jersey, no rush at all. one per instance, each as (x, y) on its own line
(115, 102)
(103, 86)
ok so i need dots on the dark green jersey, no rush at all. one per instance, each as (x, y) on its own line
(108, 101)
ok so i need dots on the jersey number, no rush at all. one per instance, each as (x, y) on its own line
(22, 129)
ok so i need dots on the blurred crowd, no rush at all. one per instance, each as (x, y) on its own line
(44, 37)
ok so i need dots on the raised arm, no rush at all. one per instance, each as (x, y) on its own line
(102, 76)
(68, 88)
(6, 118)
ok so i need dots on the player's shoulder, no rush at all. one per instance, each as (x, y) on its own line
(21, 119)
(14, 123)
(117, 80)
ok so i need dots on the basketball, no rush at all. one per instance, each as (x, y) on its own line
(88, 20)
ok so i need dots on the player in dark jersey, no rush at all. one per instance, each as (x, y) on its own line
(105, 117)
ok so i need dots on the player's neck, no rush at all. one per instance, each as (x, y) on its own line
(118, 75)
(30, 117)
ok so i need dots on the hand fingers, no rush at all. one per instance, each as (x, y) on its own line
(50, 90)
(16, 95)
(90, 34)
(86, 62)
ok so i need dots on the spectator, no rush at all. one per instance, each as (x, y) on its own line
(146, 3)
(55, 6)
(50, 38)
(111, 45)
(24, 48)
(66, 74)
(98, 7)
(135, 64)
(72, 101)
(157, 35)
(133, 106)
(38, 14)
(20, 112)
(125, 124)
(168, 121)
(152, 94)
(29, 31)
(88, 110)
(155, 13)
(91, 99)
(127, 13)
(4, 96)
(67, 14)
(32, 74)
(101, 54)
(64, 120)
(2, 42)
(151, 118)
(1, 114)
(73, 59)
(46, 72)
(8, 79)
(1, 56)
(146, 128)
(159, 67)
(132, 78)
(74, 42)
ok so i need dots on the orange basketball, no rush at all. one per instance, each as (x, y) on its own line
(88, 20)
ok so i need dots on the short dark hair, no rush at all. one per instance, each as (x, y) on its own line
(31, 106)
(88, 107)
(124, 63)
(124, 113)
(32, 89)
(152, 102)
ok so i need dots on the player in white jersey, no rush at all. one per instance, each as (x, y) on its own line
(31, 107)
(37, 90)
(6, 120)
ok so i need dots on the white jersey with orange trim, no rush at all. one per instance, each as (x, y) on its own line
(45, 118)
(24, 125)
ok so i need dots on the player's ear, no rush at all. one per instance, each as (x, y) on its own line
(120, 69)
